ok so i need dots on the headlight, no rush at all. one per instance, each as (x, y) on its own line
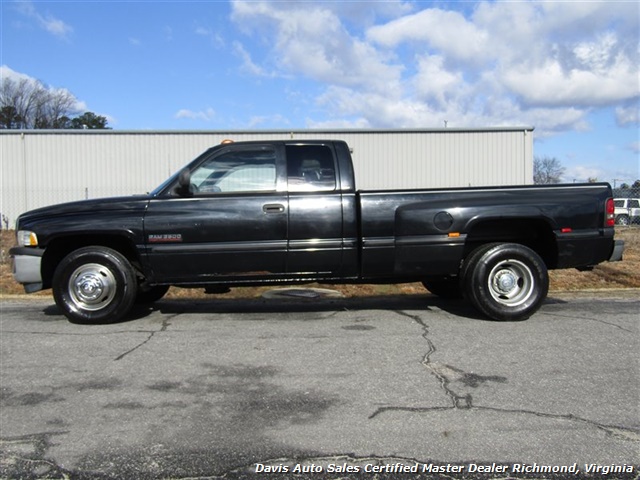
(27, 238)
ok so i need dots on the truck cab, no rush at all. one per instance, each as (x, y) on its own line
(254, 211)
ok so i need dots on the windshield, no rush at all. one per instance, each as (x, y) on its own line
(156, 191)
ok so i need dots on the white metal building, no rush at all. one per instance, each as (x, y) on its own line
(44, 167)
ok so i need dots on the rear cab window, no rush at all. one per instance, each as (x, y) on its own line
(310, 168)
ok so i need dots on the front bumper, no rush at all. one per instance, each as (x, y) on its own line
(26, 267)
(618, 249)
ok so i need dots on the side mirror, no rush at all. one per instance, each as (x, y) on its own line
(184, 183)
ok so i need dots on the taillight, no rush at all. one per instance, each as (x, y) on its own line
(610, 209)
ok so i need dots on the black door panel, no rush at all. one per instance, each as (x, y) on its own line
(315, 233)
(203, 239)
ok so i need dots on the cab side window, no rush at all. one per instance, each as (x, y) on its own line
(310, 168)
(236, 171)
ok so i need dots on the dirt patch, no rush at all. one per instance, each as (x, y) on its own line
(625, 274)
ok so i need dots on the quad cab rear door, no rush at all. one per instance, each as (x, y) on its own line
(322, 225)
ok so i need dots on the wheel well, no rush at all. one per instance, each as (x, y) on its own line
(535, 234)
(63, 246)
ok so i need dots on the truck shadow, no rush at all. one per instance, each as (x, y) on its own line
(403, 303)
(212, 306)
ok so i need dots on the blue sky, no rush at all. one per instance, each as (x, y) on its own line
(571, 69)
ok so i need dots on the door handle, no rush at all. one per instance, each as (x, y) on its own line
(273, 208)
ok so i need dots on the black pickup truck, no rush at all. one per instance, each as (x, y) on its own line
(285, 212)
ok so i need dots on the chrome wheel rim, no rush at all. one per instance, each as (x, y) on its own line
(92, 287)
(511, 283)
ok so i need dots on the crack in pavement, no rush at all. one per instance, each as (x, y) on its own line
(27, 454)
(165, 324)
(457, 401)
(466, 402)
(597, 320)
(624, 433)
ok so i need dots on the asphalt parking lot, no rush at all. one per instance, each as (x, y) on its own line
(335, 388)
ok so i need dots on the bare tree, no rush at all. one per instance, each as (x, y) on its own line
(547, 170)
(18, 100)
(28, 104)
(54, 108)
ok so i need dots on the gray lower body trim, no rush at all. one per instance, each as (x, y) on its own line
(26, 268)
(618, 249)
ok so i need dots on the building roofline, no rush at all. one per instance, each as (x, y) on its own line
(268, 131)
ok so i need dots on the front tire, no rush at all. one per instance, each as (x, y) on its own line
(94, 285)
(506, 282)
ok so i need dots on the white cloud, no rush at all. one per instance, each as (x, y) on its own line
(597, 54)
(546, 64)
(310, 40)
(344, 123)
(447, 32)
(594, 73)
(8, 73)
(207, 115)
(380, 110)
(248, 65)
(550, 84)
(363, 14)
(583, 173)
(276, 119)
(628, 115)
(49, 23)
(437, 85)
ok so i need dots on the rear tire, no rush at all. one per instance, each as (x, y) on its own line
(506, 282)
(94, 285)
